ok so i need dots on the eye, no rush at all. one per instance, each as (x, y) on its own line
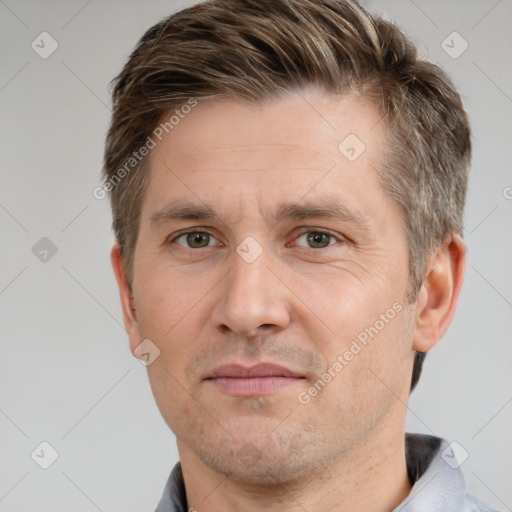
(316, 239)
(195, 240)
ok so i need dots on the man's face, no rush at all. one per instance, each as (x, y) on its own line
(296, 253)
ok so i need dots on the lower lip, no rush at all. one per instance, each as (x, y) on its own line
(253, 385)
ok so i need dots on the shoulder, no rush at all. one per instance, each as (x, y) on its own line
(476, 505)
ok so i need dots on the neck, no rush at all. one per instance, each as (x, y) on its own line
(370, 478)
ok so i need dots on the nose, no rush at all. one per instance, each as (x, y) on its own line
(252, 300)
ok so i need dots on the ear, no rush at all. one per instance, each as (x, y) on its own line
(439, 294)
(125, 294)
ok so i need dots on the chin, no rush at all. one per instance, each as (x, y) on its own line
(262, 457)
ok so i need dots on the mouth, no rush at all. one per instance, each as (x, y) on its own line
(261, 379)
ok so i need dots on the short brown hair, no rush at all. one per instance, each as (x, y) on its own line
(257, 50)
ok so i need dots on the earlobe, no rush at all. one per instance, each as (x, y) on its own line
(437, 299)
(126, 297)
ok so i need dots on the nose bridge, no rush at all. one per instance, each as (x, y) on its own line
(252, 296)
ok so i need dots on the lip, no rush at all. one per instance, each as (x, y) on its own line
(259, 370)
(260, 379)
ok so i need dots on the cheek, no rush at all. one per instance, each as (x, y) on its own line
(173, 398)
(384, 357)
(373, 379)
(172, 315)
(165, 298)
(342, 303)
(171, 312)
(368, 334)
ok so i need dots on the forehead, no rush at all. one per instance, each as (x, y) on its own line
(306, 124)
(304, 143)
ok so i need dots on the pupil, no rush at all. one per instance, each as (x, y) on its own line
(198, 239)
(317, 240)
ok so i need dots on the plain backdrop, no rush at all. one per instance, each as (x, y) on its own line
(67, 376)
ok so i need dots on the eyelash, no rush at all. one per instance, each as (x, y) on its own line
(337, 238)
(173, 238)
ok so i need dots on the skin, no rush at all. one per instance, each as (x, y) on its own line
(295, 305)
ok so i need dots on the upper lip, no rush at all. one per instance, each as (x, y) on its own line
(258, 370)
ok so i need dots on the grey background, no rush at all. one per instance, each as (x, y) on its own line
(66, 374)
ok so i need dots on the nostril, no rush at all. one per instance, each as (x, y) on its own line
(224, 329)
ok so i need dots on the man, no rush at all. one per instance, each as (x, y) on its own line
(287, 182)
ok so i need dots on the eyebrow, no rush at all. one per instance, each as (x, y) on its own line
(332, 210)
(178, 210)
(181, 211)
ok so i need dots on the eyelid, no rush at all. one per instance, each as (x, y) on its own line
(302, 231)
(172, 238)
(311, 229)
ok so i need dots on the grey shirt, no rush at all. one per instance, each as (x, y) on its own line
(438, 483)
